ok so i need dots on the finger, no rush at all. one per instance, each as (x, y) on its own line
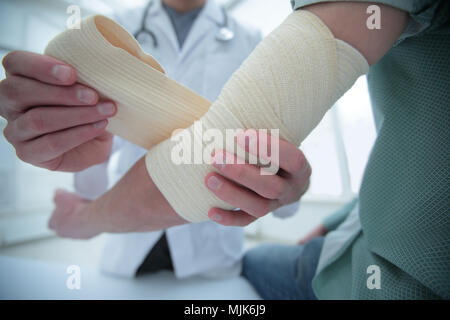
(238, 196)
(61, 196)
(90, 153)
(305, 181)
(43, 120)
(267, 186)
(318, 231)
(305, 240)
(19, 93)
(52, 222)
(237, 218)
(40, 67)
(54, 145)
(58, 194)
(299, 182)
(281, 153)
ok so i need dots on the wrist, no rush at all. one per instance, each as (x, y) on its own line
(92, 221)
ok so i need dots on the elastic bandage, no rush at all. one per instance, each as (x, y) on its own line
(288, 83)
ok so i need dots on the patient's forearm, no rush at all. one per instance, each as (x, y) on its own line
(134, 204)
(288, 83)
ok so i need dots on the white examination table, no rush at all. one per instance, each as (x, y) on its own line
(30, 279)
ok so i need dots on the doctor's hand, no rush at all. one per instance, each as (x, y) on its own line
(53, 122)
(244, 187)
(70, 218)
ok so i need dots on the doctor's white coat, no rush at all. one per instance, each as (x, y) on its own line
(203, 64)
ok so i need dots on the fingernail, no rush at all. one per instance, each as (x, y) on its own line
(106, 108)
(216, 217)
(100, 124)
(86, 95)
(62, 73)
(214, 183)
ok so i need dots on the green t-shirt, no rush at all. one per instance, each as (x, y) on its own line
(404, 197)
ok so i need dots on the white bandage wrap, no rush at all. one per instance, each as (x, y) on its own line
(288, 83)
(107, 58)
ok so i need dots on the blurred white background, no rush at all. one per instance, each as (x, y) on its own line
(337, 149)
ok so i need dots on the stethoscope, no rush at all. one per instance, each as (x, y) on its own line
(225, 33)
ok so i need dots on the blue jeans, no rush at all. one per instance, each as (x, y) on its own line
(283, 272)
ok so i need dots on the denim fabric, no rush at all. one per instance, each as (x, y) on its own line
(283, 272)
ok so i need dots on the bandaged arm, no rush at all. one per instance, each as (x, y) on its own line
(288, 83)
(147, 209)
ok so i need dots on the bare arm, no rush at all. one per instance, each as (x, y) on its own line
(134, 204)
(347, 22)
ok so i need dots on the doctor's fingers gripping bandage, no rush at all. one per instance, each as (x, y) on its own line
(107, 58)
(288, 83)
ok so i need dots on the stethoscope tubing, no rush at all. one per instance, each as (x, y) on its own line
(223, 27)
